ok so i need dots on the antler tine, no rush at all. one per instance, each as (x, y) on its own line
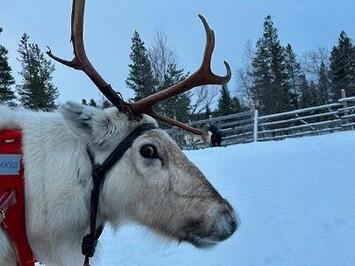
(202, 76)
(207, 57)
(81, 61)
(176, 123)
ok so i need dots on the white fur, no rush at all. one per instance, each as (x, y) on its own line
(194, 140)
(58, 180)
(56, 203)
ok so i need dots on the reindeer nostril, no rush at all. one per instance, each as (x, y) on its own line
(225, 212)
(193, 226)
(230, 219)
(234, 224)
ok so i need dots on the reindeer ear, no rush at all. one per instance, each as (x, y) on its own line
(80, 118)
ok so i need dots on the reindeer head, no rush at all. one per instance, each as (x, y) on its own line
(154, 183)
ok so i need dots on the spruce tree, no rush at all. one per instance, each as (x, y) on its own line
(140, 79)
(6, 80)
(294, 76)
(225, 102)
(236, 106)
(262, 78)
(342, 65)
(309, 93)
(324, 84)
(179, 105)
(208, 111)
(37, 91)
(93, 103)
(270, 90)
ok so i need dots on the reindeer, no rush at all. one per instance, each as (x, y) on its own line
(193, 140)
(68, 160)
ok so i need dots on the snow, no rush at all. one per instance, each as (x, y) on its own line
(296, 200)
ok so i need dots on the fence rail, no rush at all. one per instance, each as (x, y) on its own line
(249, 126)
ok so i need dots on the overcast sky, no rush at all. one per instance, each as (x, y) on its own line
(306, 24)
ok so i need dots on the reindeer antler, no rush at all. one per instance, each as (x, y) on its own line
(81, 61)
(202, 76)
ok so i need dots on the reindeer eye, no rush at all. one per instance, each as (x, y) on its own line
(149, 151)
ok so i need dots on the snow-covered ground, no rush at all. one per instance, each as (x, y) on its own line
(296, 200)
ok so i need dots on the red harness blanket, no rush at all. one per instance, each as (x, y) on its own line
(12, 201)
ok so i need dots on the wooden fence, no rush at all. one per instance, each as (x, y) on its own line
(249, 126)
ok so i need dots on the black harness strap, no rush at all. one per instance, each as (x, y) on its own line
(98, 176)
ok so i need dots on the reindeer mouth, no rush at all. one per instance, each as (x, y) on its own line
(200, 241)
(205, 240)
(202, 236)
(196, 235)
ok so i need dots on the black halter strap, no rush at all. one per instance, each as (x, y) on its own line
(98, 176)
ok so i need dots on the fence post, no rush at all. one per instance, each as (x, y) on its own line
(346, 121)
(345, 104)
(256, 124)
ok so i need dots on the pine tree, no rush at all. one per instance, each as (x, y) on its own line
(324, 84)
(179, 105)
(37, 91)
(270, 90)
(342, 65)
(225, 102)
(141, 78)
(6, 80)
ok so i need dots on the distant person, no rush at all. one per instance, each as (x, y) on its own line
(216, 138)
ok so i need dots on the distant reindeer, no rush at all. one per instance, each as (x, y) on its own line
(192, 140)
(151, 181)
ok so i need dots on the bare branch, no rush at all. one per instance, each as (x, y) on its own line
(203, 97)
(161, 56)
(244, 75)
(312, 60)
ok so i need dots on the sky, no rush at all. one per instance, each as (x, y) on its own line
(109, 26)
